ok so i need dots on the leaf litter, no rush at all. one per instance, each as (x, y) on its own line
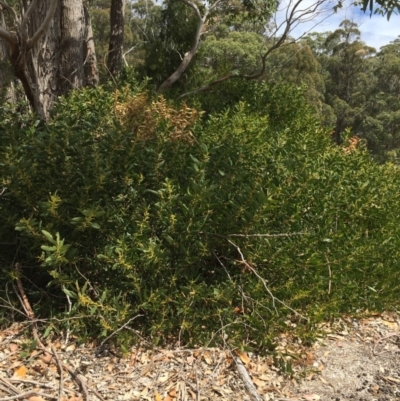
(355, 359)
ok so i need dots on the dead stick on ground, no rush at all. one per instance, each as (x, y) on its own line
(26, 395)
(9, 385)
(382, 339)
(77, 377)
(251, 389)
(248, 383)
(60, 370)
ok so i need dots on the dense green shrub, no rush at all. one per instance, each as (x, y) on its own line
(128, 206)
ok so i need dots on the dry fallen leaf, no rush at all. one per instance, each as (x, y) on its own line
(243, 357)
(35, 398)
(158, 397)
(46, 358)
(172, 393)
(207, 358)
(20, 372)
(392, 379)
(390, 325)
(311, 397)
(258, 383)
(13, 347)
(168, 398)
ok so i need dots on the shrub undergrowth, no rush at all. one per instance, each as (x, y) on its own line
(127, 206)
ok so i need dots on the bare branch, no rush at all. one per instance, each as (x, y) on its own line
(274, 299)
(294, 16)
(45, 25)
(10, 38)
(119, 329)
(186, 59)
(8, 7)
(194, 6)
(25, 19)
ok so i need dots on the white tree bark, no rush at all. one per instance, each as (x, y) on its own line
(50, 50)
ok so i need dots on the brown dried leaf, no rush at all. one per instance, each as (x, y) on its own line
(243, 357)
(20, 372)
(172, 393)
(258, 383)
(13, 347)
(207, 358)
(35, 398)
(158, 397)
(46, 358)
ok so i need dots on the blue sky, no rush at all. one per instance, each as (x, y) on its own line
(376, 30)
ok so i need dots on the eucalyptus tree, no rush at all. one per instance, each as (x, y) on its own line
(347, 62)
(49, 44)
(116, 43)
(381, 126)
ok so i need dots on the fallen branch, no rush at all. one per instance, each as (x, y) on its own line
(60, 371)
(248, 383)
(251, 389)
(397, 334)
(26, 395)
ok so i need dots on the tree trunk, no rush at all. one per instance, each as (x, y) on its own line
(115, 48)
(52, 51)
(7, 88)
(91, 72)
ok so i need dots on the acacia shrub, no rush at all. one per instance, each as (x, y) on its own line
(127, 205)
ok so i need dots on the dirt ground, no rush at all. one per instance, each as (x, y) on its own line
(354, 360)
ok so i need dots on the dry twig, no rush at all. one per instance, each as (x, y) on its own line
(60, 370)
(397, 334)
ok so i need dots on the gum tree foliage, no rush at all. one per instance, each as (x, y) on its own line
(346, 62)
(381, 125)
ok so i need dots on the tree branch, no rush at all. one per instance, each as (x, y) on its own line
(25, 18)
(8, 37)
(194, 6)
(45, 24)
(8, 7)
(294, 16)
(188, 57)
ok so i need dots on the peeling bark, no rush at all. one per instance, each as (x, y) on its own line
(51, 50)
(114, 59)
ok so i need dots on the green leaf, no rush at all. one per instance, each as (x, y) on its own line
(48, 248)
(49, 237)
